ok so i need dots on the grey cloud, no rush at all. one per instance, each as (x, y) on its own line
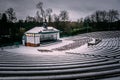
(76, 8)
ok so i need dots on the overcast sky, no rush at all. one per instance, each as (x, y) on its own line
(76, 8)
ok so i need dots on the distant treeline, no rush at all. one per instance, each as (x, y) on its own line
(104, 20)
(12, 29)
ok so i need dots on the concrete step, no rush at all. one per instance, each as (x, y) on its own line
(60, 71)
(58, 64)
(57, 67)
(90, 76)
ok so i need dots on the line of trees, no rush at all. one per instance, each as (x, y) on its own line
(11, 29)
(104, 20)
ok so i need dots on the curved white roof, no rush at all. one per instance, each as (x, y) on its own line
(41, 29)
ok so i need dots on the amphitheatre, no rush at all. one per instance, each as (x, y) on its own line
(70, 59)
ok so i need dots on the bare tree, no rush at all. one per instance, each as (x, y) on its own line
(103, 16)
(42, 12)
(45, 14)
(64, 15)
(30, 19)
(56, 18)
(11, 15)
(113, 15)
(38, 18)
(48, 13)
(98, 16)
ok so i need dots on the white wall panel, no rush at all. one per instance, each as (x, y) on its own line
(30, 39)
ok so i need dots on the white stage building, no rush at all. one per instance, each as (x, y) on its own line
(36, 35)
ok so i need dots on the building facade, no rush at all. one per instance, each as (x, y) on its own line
(37, 35)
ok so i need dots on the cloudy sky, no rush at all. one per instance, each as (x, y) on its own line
(76, 8)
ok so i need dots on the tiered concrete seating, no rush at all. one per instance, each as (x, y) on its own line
(101, 61)
(109, 46)
(102, 34)
(15, 66)
(77, 43)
